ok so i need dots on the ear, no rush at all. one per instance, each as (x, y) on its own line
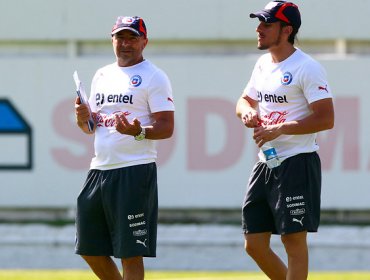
(288, 30)
(146, 42)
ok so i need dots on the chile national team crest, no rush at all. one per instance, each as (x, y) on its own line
(135, 80)
(286, 79)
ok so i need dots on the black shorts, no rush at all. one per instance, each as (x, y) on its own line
(117, 213)
(285, 199)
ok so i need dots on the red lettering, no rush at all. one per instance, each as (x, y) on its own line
(345, 133)
(110, 122)
(275, 117)
(64, 125)
(198, 158)
(165, 149)
(341, 144)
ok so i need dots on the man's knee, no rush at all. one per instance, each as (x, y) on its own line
(95, 261)
(256, 245)
(250, 249)
(295, 242)
(134, 263)
(133, 268)
(89, 259)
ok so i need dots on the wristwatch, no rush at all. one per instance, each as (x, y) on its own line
(141, 135)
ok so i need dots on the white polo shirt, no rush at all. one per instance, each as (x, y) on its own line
(283, 91)
(137, 91)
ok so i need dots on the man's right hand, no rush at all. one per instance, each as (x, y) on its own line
(251, 119)
(82, 112)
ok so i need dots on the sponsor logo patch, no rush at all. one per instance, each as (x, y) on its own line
(286, 79)
(297, 212)
(136, 80)
(140, 232)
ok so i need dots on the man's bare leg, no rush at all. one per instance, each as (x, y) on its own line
(297, 251)
(103, 267)
(133, 268)
(258, 247)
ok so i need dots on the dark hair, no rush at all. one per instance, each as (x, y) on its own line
(292, 35)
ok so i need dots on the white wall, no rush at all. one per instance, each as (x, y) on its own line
(40, 50)
(86, 19)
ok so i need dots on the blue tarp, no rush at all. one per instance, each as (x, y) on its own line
(11, 122)
(10, 119)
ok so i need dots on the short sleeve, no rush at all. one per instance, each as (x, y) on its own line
(160, 93)
(314, 82)
(250, 89)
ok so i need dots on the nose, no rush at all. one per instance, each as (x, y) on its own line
(258, 28)
(125, 42)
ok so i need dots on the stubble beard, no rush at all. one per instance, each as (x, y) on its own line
(263, 47)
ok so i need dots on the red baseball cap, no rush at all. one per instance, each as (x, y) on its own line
(135, 24)
(274, 11)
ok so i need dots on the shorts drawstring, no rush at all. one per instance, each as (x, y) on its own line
(268, 174)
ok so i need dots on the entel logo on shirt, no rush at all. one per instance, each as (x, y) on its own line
(273, 98)
(135, 80)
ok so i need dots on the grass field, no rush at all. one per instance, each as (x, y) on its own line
(170, 275)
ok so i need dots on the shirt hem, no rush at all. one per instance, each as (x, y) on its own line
(122, 164)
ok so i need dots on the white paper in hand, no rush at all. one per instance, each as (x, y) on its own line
(83, 98)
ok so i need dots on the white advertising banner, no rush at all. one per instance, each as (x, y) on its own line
(207, 162)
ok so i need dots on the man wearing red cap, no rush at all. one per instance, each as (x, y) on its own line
(286, 102)
(132, 105)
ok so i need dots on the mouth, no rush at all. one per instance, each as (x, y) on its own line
(260, 37)
(126, 51)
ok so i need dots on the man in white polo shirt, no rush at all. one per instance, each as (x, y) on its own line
(132, 105)
(286, 102)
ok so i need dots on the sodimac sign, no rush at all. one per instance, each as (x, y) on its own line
(206, 164)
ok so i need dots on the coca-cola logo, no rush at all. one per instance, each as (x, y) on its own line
(274, 117)
(103, 120)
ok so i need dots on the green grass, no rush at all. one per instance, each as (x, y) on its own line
(170, 275)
